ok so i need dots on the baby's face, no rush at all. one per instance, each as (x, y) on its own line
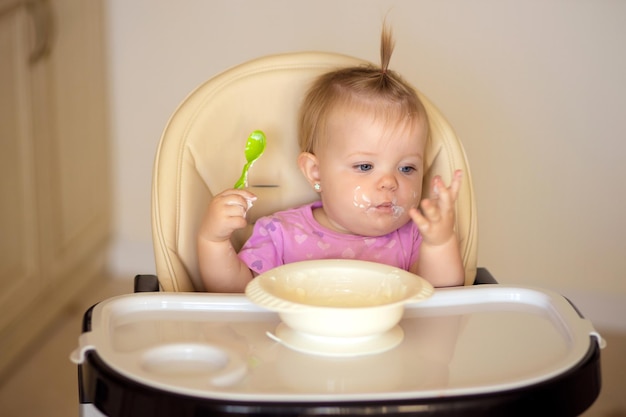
(371, 172)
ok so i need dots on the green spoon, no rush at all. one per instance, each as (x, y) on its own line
(254, 149)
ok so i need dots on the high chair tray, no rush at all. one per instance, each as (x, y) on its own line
(487, 350)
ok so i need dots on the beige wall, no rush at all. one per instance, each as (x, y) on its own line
(536, 90)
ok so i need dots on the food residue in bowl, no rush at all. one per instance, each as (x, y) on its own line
(311, 288)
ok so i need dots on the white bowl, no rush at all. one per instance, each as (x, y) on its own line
(338, 298)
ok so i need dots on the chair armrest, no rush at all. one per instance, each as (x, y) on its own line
(483, 276)
(150, 283)
(146, 283)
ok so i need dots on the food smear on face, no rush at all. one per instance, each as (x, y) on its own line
(364, 202)
(361, 200)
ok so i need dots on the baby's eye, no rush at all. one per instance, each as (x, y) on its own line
(407, 169)
(363, 167)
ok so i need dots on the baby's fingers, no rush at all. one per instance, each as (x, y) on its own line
(448, 195)
(456, 184)
(419, 219)
(430, 210)
(235, 202)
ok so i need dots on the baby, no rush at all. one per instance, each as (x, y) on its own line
(362, 136)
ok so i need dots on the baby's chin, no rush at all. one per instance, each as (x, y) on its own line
(376, 230)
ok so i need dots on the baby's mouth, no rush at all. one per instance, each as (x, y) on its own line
(390, 207)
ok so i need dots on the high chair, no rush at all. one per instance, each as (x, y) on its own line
(154, 353)
(201, 154)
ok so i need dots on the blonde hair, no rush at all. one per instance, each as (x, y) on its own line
(378, 89)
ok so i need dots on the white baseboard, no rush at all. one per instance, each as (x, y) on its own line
(127, 259)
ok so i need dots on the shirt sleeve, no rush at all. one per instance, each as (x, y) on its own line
(263, 250)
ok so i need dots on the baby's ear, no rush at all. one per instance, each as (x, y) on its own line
(309, 166)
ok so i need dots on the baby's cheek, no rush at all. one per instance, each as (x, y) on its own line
(414, 201)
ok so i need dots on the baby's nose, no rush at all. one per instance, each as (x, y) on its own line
(388, 182)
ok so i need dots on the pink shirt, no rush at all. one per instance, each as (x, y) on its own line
(294, 235)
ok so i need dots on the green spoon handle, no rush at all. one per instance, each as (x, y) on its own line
(243, 179)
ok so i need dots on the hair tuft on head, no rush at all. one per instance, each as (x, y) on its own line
(387, 44)
(378, 90)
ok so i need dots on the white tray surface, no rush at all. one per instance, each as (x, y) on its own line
(461, 341)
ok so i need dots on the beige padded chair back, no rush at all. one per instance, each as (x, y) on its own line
(201, 154)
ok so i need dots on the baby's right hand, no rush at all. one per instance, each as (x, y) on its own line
(226, 213)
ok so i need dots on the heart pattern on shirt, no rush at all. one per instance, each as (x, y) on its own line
(271, 226)
(323, 245)
(348, 253)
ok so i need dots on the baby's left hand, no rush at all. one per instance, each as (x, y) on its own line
(437, 219)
